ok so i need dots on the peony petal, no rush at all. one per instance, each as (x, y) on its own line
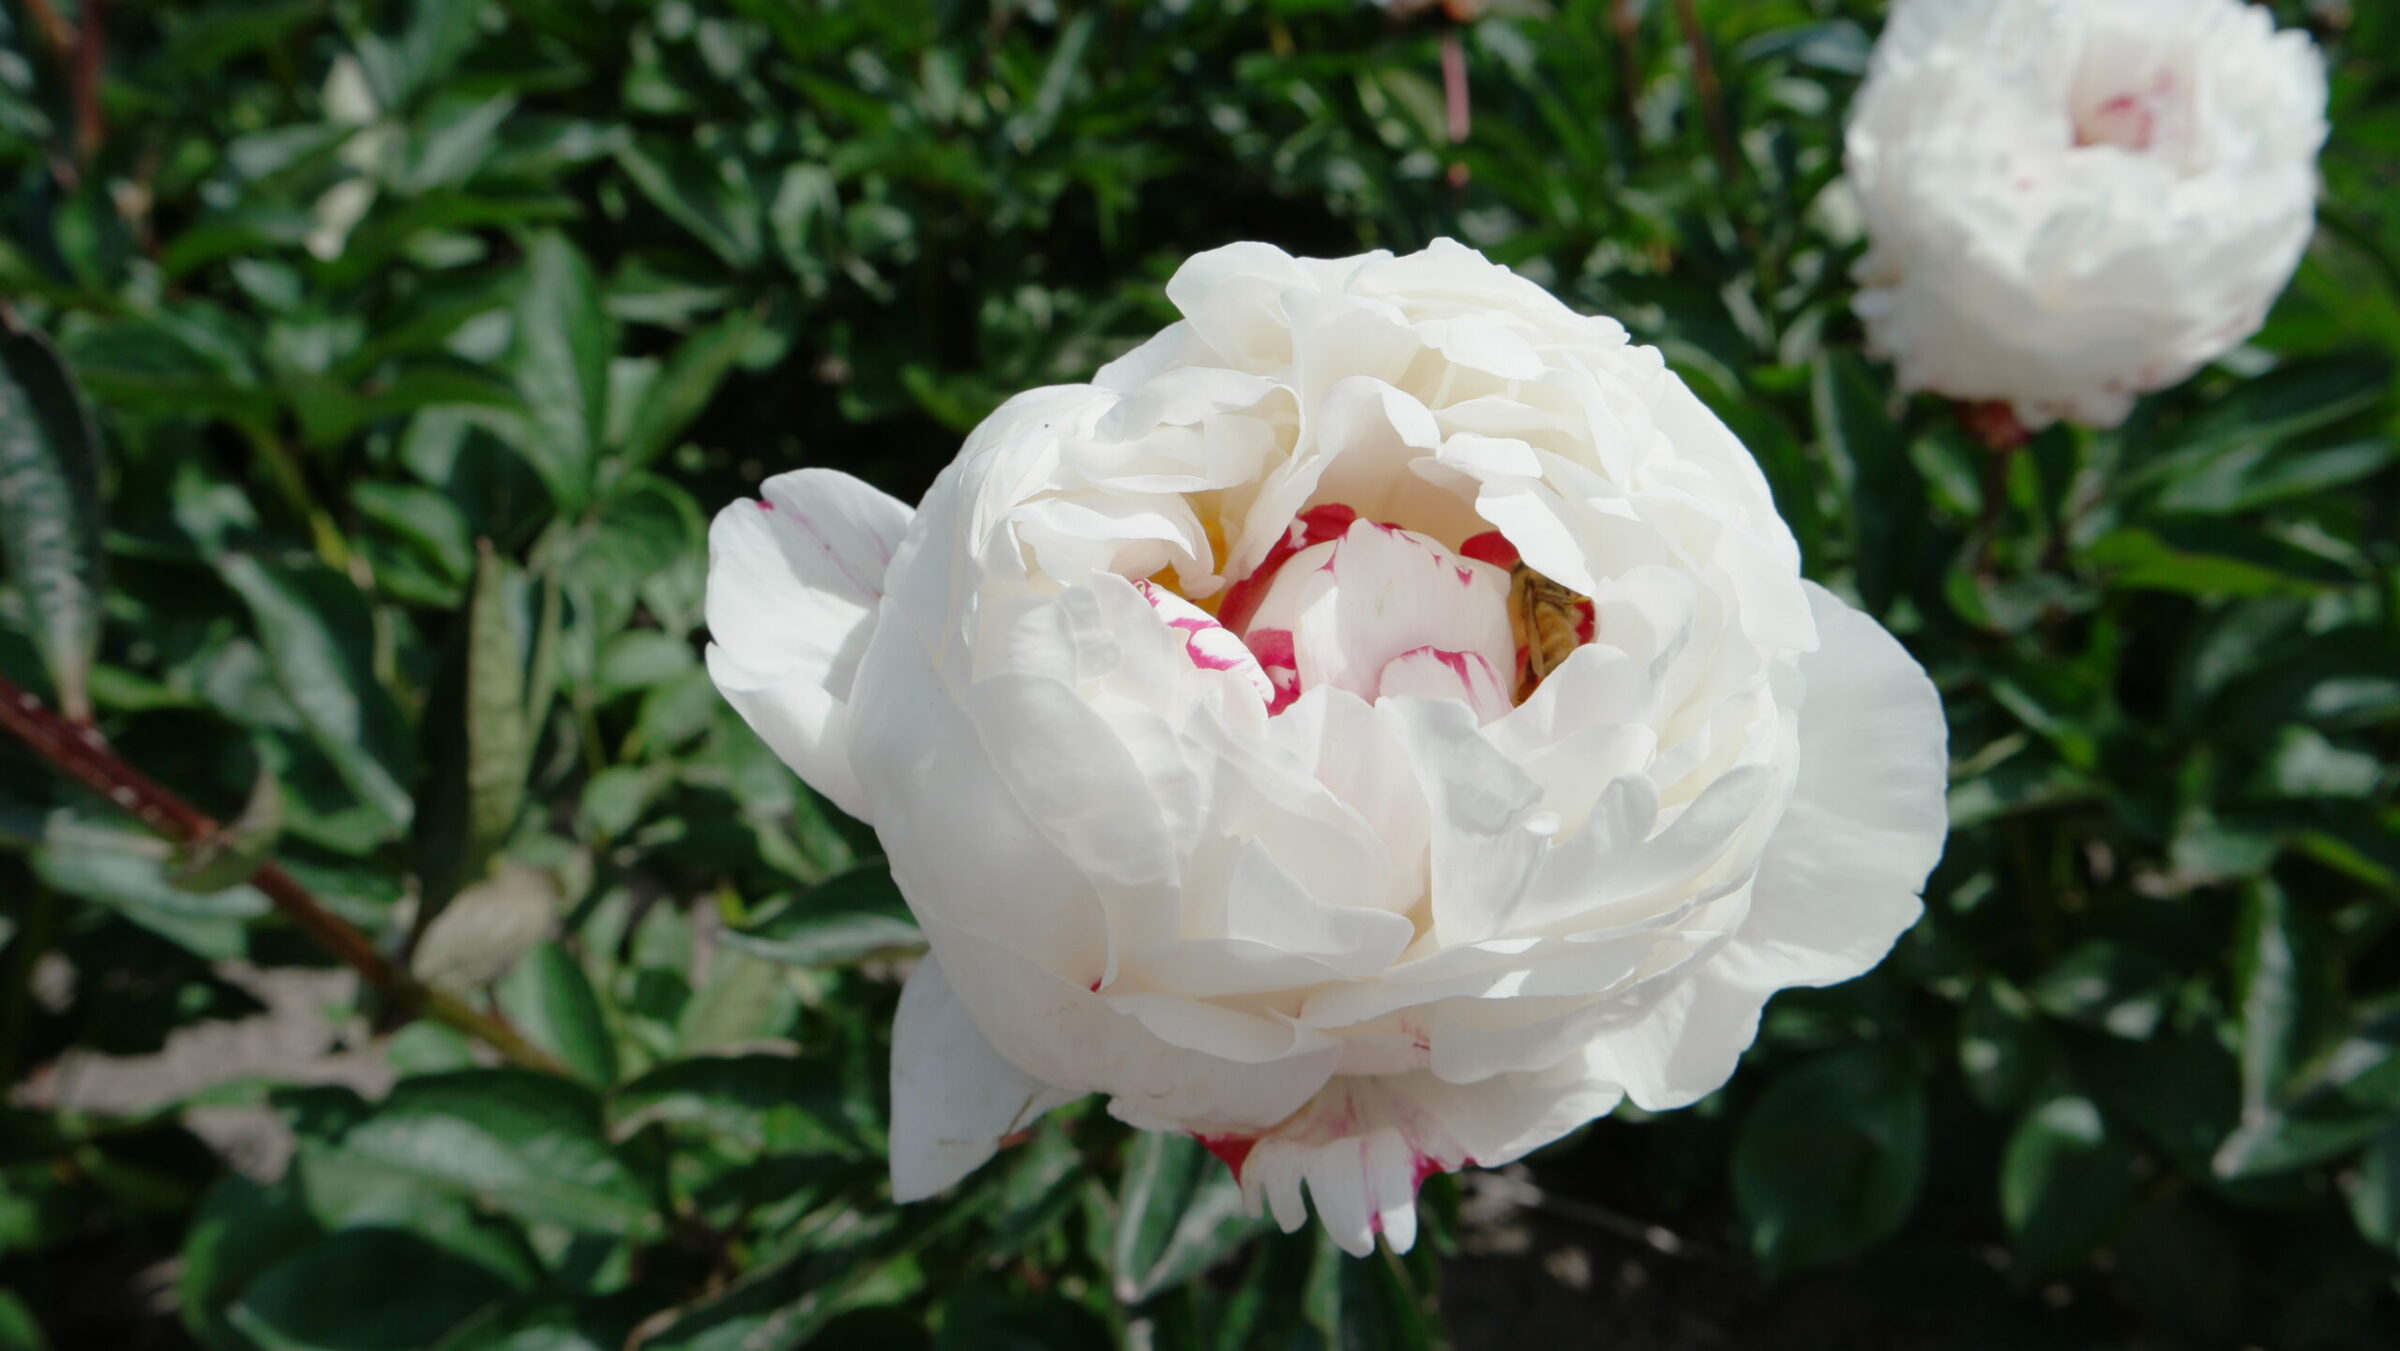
(794, 582)
(1840, 879)
(1066, 1034)
(954, 1099)
(1362, 1147)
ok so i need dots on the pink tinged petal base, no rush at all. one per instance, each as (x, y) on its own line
(954, 1099)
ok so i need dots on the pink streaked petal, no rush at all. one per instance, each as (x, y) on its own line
(1435, 673)
(1210, 645)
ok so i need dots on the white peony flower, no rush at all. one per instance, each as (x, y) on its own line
(1237, 771)
(2071, 202)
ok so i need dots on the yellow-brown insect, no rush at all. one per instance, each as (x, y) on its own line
(1549, 623)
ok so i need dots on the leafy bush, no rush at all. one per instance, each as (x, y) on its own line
(423, 337)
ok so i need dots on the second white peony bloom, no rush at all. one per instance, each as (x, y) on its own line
(1377, 726)
(2069, 203)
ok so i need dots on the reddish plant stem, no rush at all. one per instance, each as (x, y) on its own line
(1709, 92)
(1458, 111)
(90, 41)
(79, 753)
(1625, 22)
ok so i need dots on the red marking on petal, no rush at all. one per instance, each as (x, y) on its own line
(1095, 985)
(1313, 526)
(1492, 547)
(1273, 648)
(1587, 621)
(1427, 1166)
(1233, 1149)
(764, 504)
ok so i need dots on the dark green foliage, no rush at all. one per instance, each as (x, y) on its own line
(423, 336)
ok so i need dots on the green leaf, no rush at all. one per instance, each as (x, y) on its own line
(18, 1331)
(364, 1290)
(241, 1229)
(856, 915)
(1178, 1212)
(2064, 1183)
(550, 998)
(1371, 1303)
(127, 873)
(564, 343)
(744, 1000)
(318, 633)
(2344, 1097)
(2000, 1047)
(785, 1303)
(704, 191)
(527, 1143)
(2260, 413)
(1830, 1158)
(762, 1104)
(2283, 988)
(50, 510)
(236, 851)
(1868, 455)
(499, 741)
(2108, 985)
(2373, 1192)
(684, 387)
(2202, 557)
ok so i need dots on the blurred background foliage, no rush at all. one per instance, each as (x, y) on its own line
(418, 340)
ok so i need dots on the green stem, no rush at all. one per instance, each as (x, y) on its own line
(284, 471)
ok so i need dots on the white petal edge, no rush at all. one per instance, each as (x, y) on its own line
(1841, 878)
(954, 1098)
(795, 578)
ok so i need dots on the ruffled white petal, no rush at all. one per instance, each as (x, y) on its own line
(794, 581)
(1840, 880)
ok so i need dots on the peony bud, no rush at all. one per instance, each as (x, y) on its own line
(2071, 202)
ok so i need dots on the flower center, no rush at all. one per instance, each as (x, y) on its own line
(2144, 114)
(1377, 610)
